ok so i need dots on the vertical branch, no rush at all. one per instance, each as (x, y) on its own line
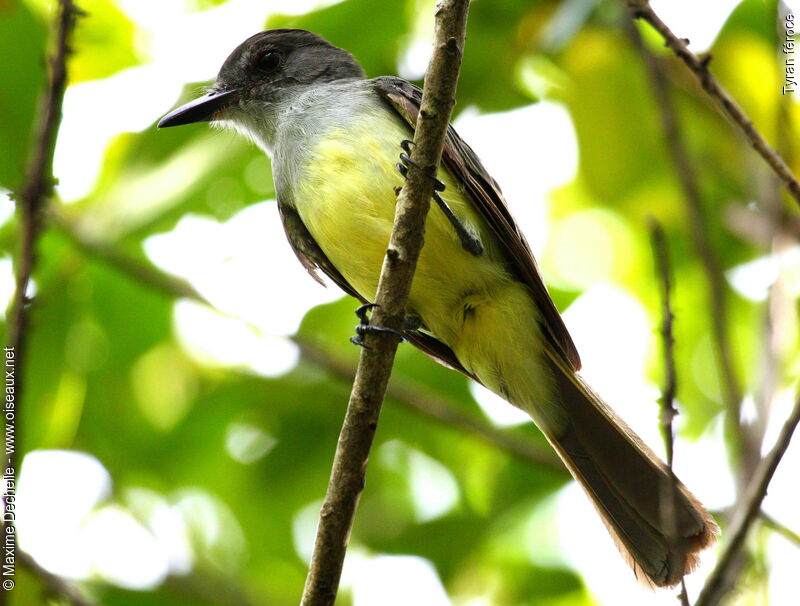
(700, 230)
(667, 400)
(39, 179)
(37, 188)
(375, 364)
(664, 273)
(38, 184)
(723, 575)
(640, 9)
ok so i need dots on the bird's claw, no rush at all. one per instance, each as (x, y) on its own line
(469, 241)
(406, 161)
(364, 327)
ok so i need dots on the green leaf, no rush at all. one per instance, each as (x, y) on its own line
(104, 43)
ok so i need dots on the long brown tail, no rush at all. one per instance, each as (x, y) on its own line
(658, 525)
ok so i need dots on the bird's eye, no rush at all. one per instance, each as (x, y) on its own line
(268, 62)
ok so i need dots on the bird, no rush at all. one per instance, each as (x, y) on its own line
(478, 302)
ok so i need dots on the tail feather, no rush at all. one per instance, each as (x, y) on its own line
(657, 524)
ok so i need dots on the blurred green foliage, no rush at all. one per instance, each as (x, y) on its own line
(24, 39)
(106, 375)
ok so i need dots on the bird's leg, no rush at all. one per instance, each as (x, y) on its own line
(468, 240)
(364, 327)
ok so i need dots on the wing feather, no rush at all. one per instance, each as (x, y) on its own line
(466, 167)
(314, 259)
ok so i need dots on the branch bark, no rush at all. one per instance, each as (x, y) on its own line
(39, 180)
(664, 274)
(668, 391)
(38, 186)
(375, 364)
(641, 9)
(720, 581)
(30, 200)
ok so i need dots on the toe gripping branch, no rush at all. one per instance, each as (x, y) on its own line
(364, 327)
(469, 242)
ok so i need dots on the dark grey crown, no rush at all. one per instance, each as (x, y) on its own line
(304, 58)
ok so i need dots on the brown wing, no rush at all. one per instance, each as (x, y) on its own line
(465, 166)
(313, 259)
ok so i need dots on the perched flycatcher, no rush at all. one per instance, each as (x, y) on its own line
(478, 303)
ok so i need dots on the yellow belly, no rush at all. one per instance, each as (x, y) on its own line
(347, 202)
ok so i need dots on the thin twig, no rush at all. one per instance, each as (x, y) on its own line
(375, 364)
(39, 179)
(438, 409)
(720, 581)
(781, 529)
(54, 585)
(138, 270)
(667, 400)
(641, 9)
(30, 200)
(758, 227)
(683, 595)
(700, 230)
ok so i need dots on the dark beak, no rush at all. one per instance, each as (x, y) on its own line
(201, 109)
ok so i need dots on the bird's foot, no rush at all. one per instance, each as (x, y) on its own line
(406, 161)
(364, 327)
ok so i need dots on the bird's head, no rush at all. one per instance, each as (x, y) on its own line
(264, 70)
